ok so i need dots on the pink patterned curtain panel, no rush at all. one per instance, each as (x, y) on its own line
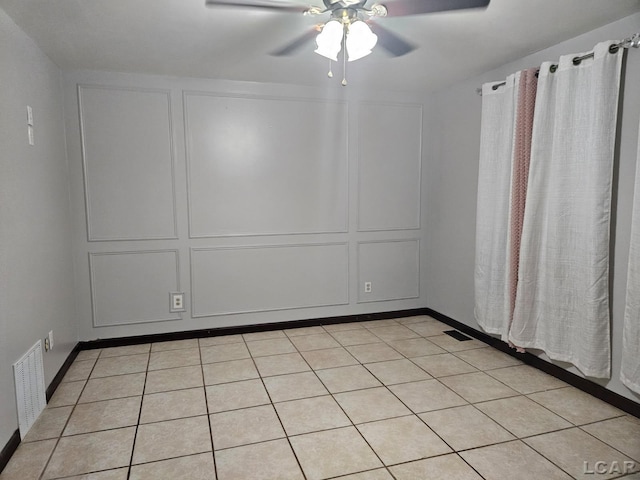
(520, 173)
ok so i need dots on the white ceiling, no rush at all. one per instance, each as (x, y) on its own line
(184, 38)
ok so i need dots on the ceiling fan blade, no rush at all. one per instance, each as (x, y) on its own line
(401, 8)
(391, 42)
(260, 4)
(296, 44)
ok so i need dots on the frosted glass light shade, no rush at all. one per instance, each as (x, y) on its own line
(360, 40)
(329, 40)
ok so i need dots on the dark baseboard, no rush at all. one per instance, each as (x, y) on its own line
(9, 449)
(63, 370)
(592, 388)
(262, 327)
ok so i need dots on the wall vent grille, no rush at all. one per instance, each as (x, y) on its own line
(31, 397)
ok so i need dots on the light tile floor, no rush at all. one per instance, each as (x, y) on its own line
(390, 399)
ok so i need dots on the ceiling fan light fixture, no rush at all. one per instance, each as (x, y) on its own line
(329, 40)
(360, 40)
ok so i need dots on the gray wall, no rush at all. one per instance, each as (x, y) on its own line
(36, 273)
(262, 203)
(452, 187)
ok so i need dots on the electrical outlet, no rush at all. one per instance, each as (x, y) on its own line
(367, 287)
(176, 302)
(51, 340)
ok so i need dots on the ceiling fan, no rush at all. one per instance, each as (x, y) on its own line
(349, 23)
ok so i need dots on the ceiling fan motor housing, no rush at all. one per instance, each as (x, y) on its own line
(338, 4)
(347, 10)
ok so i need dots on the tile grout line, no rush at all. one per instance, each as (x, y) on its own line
(518, 438)
(135, 435)
(520, 394)
(412, 414)
(353, 425)
(255, 365)
(453, 451)
(417, 416)
(86, 381)
(206, 404)
(579, 427)
(332, 395)
(564, 418)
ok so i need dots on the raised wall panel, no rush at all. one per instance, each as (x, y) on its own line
(133, 287)
(265, 166)
(389, 160)
(392, 267)
(128, 163)
(262, 278)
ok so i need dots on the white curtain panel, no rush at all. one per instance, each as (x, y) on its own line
(630, 371)
(562, 300)
(491, 282)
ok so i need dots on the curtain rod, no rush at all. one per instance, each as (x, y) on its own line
(632, 41)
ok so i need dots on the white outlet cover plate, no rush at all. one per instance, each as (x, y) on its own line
(173, 308)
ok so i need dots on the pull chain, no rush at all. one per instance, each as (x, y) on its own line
(344, 56)
(330, 74)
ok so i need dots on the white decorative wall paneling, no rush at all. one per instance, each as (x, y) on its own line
(227, 280)
(389, 166)
(128, 161)
(265, 166)
(133, 287)
(392, 267)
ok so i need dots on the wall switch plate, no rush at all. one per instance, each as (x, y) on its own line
(176, 302)
(29, 116)
(50, 338)
(367, 287)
